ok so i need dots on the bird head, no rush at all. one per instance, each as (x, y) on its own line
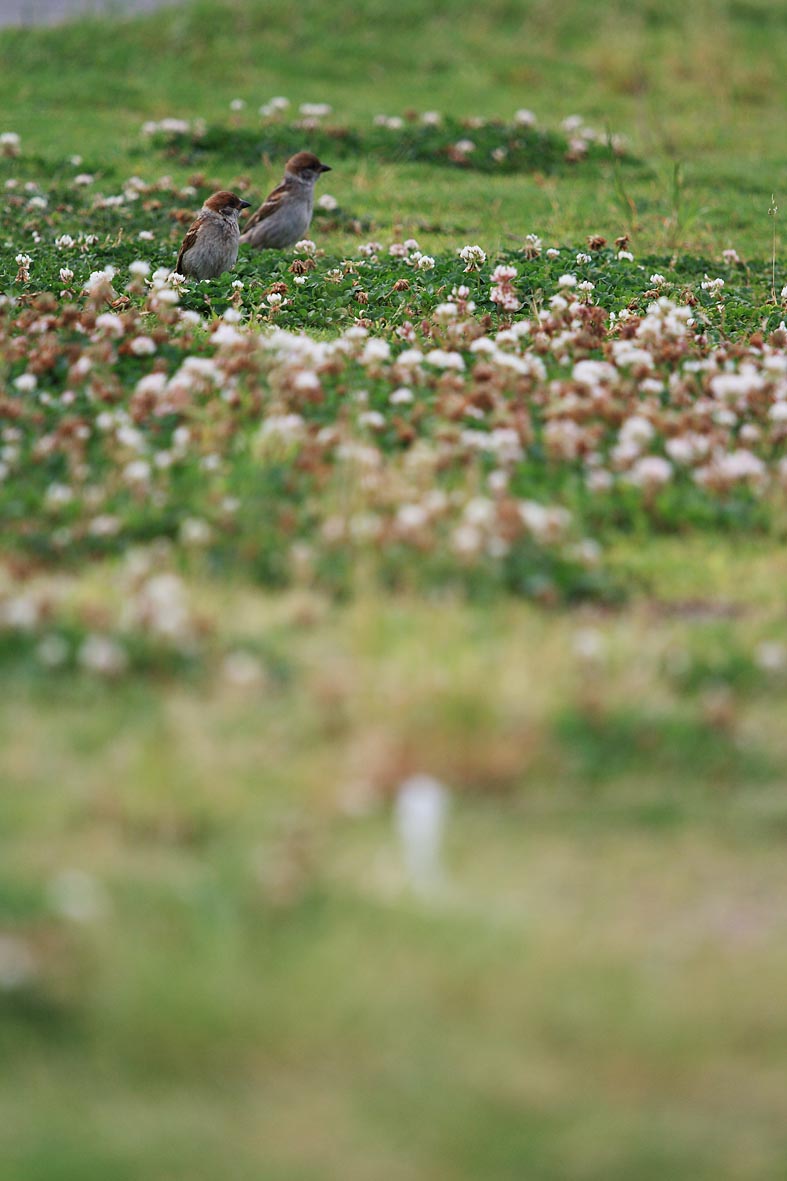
(226, 203)
(305, 166)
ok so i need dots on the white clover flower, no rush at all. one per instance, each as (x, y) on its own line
(657, 280)
(139, 269)
(582, 259)
(524, 118)
(410, 518)
(137, 472)
(143, 346)
(305, 246)
(104, 525)
(552, 252)
(637, 431)
(26, 383)
(735, 467)
(315, 110)
(592, 373)
(83, 179)
(128, 435)
(327, 202)
(567, 281)
(161, 607)
(52, 651)
(20, 613)
(431, 118)
(288, 427)
(599, 480)
(10, 143)
(650, 472)
(102, 655)
(731, 257)
(110, 324)
(238, 104)
(64, 242)
(146, 236)
(372, 419)
(445, 312)
(547, 524)
(466, 540)
(374, 351)
(443, 359)
(473, 257)
(174, 126)
(625, 256)
(423, 262)
(98, 280)
(273, 107)
(464, 146)
(771, 656)
(58, 495)
(713, 285)
(401, 396)
(24, 261)
(306, 380)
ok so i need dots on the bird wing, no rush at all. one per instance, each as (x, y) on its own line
(269, 206)
(190, 240)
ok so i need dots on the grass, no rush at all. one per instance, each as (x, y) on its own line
(696, 84)
(211, 960)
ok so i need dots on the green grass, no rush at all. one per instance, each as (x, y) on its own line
(238, 980)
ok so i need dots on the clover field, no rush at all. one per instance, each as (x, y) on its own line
(486, 480)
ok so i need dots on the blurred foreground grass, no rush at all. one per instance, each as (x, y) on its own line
(211, 964)
(229, 975)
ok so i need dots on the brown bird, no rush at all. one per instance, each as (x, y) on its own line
(284, 217)
(210, 246)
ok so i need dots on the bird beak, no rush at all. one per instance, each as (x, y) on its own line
(325, 168)
(245, 204)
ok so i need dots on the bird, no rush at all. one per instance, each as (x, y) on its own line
(284, 216)
(210, 246)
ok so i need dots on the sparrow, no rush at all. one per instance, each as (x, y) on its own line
(283, 218)
(210, 246)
